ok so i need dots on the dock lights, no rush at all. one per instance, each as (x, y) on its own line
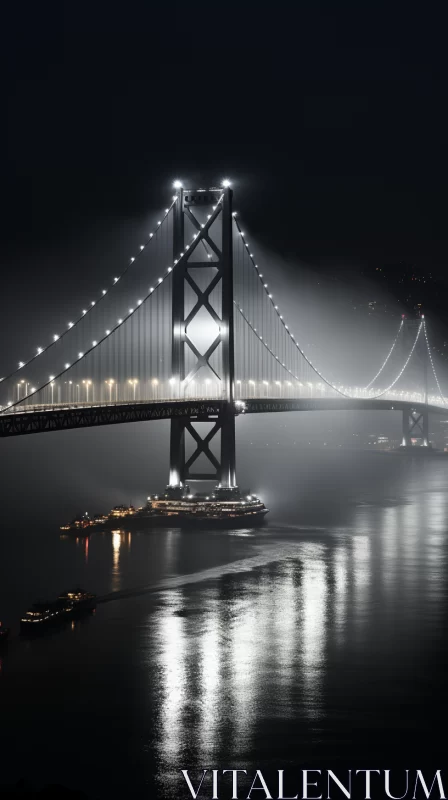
(177, 184)
(225, 183)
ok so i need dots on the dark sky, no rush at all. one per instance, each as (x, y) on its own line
(330, 118)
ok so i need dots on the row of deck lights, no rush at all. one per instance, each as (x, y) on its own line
(155, 389)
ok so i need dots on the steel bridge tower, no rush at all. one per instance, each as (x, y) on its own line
(216, 281)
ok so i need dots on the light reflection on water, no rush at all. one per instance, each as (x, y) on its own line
(116, 575)
(287, 643)
(261, 646)
(312, 627)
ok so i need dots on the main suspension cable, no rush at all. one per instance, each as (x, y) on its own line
(387, 357)
(293, 339)
(94, 303)
(432, 364)
(265, 344)
(404, 365)
(197, 238)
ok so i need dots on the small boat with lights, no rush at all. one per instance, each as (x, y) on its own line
(78, 525)
(78, 601)
(45, 614)
(82, 526)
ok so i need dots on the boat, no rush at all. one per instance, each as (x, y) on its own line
(46, 614)
(177, 506)
(78, 524)
(4, 633)
(77, 600)
(226, 508)
(220, 508)
(43, 614)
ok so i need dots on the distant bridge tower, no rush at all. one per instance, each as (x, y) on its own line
(416, 423)
(207, 276)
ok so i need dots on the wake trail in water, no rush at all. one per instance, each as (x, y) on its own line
(269, 555)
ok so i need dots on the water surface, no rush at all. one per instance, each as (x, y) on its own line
(319, 639)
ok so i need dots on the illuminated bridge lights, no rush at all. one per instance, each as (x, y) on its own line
(85, 392)
(88, 392)
(121, 321)
(93, 303)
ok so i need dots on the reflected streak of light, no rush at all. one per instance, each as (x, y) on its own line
(341, 589)
(116, 545)
(171, 542)
(389, 548)
(314, 610)
(410, 543)
(435, 510)
(435, 507)
(210, 683)
(285, 621)
(362, 557)
(86, 549)
(248, 641)
(171, 635)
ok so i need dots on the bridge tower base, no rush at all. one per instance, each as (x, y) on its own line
(415, 426)
(222, 466)
(416, 422)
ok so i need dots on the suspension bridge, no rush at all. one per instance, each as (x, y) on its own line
(191, 331)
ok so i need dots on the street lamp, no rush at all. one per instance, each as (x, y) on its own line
(134, 384)
(87, 384)
(110, 384)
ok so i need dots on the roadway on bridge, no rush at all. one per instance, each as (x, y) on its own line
(42, 419)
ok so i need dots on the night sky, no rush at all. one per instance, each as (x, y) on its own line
(330, 119)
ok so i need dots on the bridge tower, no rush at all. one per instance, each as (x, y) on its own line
(416, 421)
(206, 268)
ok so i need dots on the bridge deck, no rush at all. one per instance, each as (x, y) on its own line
(44, 419)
